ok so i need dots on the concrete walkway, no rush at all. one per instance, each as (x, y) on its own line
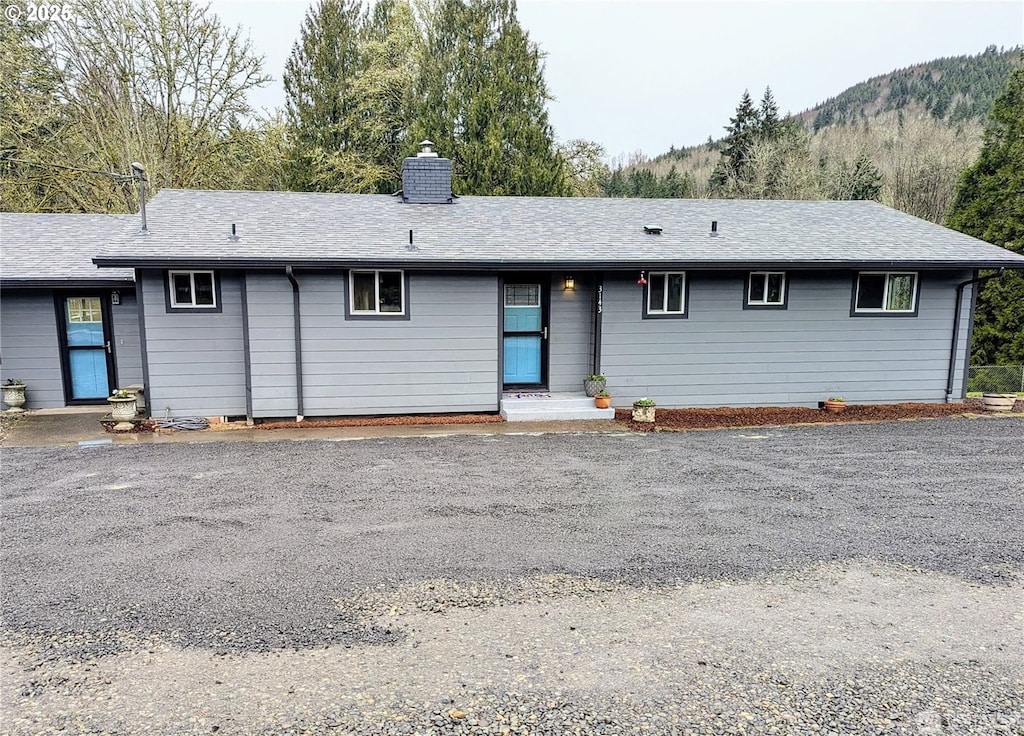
(74, 426)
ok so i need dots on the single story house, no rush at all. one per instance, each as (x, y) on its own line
(67, 328)
(283, 304)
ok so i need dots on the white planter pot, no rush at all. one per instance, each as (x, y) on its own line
(997, 402)
(643, 413)
(14, 397)
(123, 409)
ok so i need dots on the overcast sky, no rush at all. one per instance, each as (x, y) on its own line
(643, 76)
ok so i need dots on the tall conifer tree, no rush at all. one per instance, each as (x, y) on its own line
(319, 104)
(483, 101)
(989, 205)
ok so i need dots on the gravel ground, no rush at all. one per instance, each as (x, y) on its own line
(839, 579)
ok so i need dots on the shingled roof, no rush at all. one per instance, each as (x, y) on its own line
(339, 230)
(57, 250)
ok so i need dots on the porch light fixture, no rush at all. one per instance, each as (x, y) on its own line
(642, 281)
(570, 283)
(115, 298)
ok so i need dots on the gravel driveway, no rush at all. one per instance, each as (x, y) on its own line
(841, 579)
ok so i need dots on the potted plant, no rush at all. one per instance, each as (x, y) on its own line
(594, 384)
(643, 410)
(14, 394)
(835, 404)
(123, 408)
(992, 402)
(602, 400)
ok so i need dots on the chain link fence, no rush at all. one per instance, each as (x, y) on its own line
(995, 379)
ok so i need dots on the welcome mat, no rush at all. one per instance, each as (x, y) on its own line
(517, 395)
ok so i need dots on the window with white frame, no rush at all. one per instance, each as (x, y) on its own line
(192, 289)
(666, 294)
(766, 289)
(377, 292)
(886, 292)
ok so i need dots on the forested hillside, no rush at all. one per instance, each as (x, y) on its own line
(953, 90)
(901, 138)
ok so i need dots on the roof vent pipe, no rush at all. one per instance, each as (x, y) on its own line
(140, 176)
(714, 228)
(234, 234)
(411, 245)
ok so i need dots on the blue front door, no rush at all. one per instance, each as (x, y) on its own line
(524, 334)
(88, 349)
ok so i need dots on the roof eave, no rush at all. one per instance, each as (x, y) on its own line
(65, 283)
(500, 264)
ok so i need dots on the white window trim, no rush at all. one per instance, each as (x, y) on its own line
(376, 311)
(885, 293)
(175, 304)
(664, 299)
(764, 278)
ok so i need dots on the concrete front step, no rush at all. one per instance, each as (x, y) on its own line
(554, 408)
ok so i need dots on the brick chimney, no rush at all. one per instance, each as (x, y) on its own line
(426, 178)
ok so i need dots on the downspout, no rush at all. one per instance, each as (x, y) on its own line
(299, 413)
(598, 322)
(956, 329)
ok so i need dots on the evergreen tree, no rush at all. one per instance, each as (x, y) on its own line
(769, 127)
(320, 102)
(676, 186)
(483, 101)
(615, 185)
(989, 205)
(383, 94)
(741, 132)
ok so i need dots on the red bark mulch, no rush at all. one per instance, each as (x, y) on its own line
(720, 417)
(386, 421)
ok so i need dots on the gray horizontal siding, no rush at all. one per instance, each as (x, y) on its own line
(443, 359)
(271, 344)
(570, 343)
(29, 347)
(128, 350)
(196, 360)
(723, 355)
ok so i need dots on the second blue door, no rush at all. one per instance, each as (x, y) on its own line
(88, 349)
(524, 334)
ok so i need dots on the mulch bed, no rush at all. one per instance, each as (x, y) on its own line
(719, 417)
(138, 426)
(386, 421)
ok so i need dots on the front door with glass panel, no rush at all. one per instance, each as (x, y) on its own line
(525, 335)
(87, 352)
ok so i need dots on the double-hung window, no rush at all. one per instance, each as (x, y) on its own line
(885, 292)
(377, 293)
(666, 294)
(191, 290)
(766, 289)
